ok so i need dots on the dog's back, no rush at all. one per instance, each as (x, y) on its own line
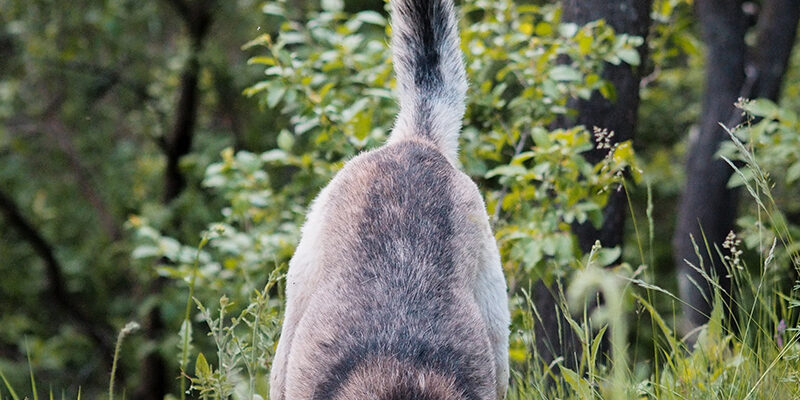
(396, 290)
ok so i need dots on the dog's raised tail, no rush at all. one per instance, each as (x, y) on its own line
(431, 79)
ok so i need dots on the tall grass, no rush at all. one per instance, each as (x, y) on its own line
(749, 349)
(129, 328)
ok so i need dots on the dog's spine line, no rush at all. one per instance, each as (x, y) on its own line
(431, 79)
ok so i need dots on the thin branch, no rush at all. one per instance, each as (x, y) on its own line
(98, 331)
(518, 147)
(55, 128)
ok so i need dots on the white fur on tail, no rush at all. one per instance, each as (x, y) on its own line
(431, 80)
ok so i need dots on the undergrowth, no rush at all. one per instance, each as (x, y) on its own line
(332, 76)
(749, 349)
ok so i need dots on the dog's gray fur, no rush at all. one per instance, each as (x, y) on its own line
(396, 289)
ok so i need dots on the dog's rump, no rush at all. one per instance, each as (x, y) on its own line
(392, 302)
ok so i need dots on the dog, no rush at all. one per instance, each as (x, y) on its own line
(396, 289)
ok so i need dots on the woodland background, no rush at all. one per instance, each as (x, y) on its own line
(157, 159)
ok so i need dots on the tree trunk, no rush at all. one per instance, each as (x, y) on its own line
(777, 31)
(555, 338)
(625, 16)
(707, 209)
(197, 18)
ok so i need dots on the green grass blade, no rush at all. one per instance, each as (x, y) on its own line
(8, 386)
(30, 369)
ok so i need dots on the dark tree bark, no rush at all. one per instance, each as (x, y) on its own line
(197, 19)
(619, 115)
(777, 31)
(708, 208)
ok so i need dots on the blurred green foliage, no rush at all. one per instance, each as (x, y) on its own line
(289, 91)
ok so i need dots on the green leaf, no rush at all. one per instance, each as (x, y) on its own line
(263, 60)
(260, 40)
(274, 155)
(533, 252)
(274, 96)
(761, 108)
(145, 251)
(565, 73)
(608, 91)
(598, 339)
(585, 44)
(306, 126)
(292, 38)
(578, 384)
(169, 247)
(371, 17)
(543, 29)
(248, 162)
(630, 56)
(285, 140)
(606, 256)
(793, 173)
(507, 170)
(568, 30)
(255, 89)
(332, 5)
(350, 112)
(740, 179)
(549, 245)
(564, 246)
(273, 8)
(201, 367)
(541, 137)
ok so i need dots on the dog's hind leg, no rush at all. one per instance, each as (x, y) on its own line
(490, 293)
(487, 281)
(300, 286)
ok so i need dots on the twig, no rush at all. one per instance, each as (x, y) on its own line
(523, 137)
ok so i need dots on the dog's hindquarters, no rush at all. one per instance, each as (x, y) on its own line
(402, 252)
